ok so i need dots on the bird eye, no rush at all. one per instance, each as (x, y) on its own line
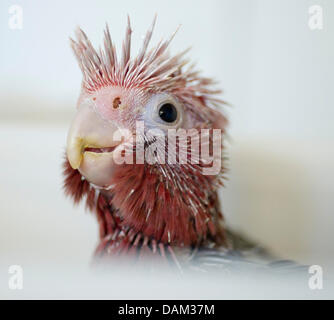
(168, 112)
(164, 111)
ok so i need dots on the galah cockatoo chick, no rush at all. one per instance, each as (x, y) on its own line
(145, 149)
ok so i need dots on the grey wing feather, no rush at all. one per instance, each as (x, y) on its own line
(242, 256)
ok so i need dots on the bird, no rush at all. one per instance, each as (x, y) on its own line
(151, 197)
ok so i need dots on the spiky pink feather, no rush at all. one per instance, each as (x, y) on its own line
(151, 206)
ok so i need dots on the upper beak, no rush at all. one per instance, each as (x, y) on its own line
(89, 130)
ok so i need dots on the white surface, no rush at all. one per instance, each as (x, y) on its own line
(72, 281)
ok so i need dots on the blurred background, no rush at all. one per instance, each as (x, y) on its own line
(276, 72)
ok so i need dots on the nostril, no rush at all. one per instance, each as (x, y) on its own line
(116, 103)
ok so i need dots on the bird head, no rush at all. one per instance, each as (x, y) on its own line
(125, 141)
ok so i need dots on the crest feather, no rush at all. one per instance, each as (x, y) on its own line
(152, 69)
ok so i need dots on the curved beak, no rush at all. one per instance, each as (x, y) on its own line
(91, 143)
(89, 133)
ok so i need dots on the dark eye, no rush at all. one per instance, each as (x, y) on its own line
(168, 112)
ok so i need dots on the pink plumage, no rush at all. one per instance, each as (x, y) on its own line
(156, 206)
